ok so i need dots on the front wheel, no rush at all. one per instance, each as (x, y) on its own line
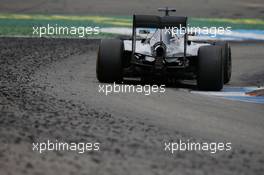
(210, 68)
(109, 61)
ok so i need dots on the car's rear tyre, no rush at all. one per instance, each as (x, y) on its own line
(226, 53)
(210, 68)
(109, 61)
(228, 70)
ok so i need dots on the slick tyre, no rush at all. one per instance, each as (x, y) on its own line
(227, 60)
(109, 61)
(210, 68)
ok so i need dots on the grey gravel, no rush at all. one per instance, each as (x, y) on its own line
(29, 112)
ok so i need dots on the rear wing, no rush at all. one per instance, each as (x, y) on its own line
(151, 21)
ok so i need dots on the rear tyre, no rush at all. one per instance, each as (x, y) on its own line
(109, 61)
(228, 70)
(226, 53)
(210, 68)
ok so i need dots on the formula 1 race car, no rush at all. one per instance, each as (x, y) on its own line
(156, 50)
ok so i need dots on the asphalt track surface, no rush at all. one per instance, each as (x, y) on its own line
(194, 8)
(49, 91)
